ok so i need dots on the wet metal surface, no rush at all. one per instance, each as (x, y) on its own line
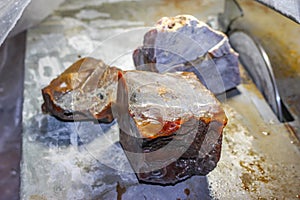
(279, 36)
(83, 160)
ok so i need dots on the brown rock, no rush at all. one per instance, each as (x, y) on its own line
(170, 125)
(83, 91)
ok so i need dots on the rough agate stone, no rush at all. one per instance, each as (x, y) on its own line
(170, 125)
(83, 91)
(183, 43)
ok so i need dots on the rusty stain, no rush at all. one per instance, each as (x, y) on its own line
(282, 49)
(252, 153)
(162, 91)
(247, 182)
(187, 191)
(120, 191)
(293, 135)
(37, 197)
(254, 174)
(254, 5)
(261, 198)
(262, 179)
(248, 169)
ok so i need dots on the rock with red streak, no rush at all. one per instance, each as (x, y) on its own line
(170, 125)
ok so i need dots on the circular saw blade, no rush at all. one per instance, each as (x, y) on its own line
(255, 60)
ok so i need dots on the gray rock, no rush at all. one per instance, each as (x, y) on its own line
(183, 43)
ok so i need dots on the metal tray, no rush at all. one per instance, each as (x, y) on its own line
(83, 160)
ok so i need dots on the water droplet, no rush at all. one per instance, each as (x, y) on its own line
(265, 133)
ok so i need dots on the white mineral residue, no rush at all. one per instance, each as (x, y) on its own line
(48, 67)
(254, 165)
(109, 23)
(73, 172)
(78, 4)
(91, 14)
(82, 43)
(237, 142)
